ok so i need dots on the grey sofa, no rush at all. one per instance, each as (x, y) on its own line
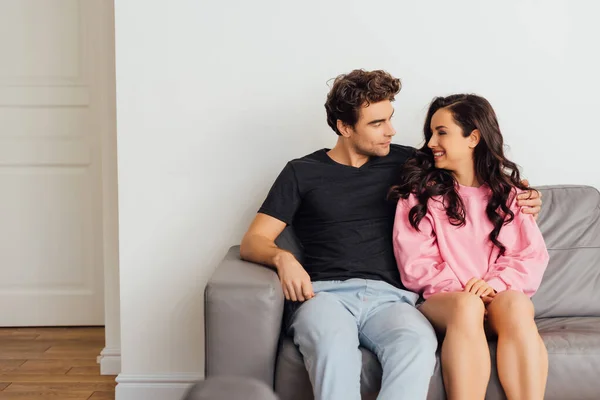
(244, 306)
(224, 387)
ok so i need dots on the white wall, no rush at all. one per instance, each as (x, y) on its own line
(214, 97)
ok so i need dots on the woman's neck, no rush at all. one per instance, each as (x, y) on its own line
(467, 177)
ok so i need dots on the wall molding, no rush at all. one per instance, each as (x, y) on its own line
(110, 361)
(154, 387)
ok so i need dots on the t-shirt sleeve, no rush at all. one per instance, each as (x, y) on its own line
(283, 199)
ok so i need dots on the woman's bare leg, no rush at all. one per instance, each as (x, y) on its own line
(465, 353)
(521, 356)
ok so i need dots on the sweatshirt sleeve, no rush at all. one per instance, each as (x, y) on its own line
(525, 260)
(421, 267)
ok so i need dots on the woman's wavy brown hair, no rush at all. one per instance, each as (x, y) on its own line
(419, 175)
(355, 89)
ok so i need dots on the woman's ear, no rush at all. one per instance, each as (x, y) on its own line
(474, 138)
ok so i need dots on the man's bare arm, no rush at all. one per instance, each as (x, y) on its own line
(258, 245)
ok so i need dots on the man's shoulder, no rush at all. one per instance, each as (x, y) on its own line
(316, 157)
(398, 154)
(401, 151)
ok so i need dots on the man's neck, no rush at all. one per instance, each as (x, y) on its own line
(343, 153)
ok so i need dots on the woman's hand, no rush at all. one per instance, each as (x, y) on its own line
(479, 287)
(488, 299)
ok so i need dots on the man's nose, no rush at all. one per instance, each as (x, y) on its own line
(391, 131)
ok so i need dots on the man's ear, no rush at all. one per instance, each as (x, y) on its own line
(474, 138)
(345, 130)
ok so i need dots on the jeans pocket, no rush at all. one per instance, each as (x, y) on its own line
(408, 297)
(324, 285)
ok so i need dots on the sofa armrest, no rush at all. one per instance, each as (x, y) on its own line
(243, 310)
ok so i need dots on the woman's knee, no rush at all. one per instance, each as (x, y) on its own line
(511, 309)
(467, 308)
(510, 304)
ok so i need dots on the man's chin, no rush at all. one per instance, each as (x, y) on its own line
(383, 151)
(375, 152)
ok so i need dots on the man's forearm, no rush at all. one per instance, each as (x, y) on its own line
(262, 250)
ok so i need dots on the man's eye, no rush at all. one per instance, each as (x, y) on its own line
(441, 133)
(377, 125)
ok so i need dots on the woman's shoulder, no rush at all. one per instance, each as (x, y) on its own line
(434, 203)
(408, 202)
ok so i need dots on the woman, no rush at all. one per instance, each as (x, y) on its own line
(462, 243)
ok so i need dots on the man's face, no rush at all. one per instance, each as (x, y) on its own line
(372, 134)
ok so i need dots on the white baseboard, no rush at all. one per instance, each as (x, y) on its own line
(154, 387)
(110, 361)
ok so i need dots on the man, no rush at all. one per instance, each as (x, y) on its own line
(348, 291)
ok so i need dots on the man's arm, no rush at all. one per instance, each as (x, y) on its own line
(258, 245)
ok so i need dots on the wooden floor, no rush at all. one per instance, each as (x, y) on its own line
(53, 363)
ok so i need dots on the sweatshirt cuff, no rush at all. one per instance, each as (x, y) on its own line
(497, 284)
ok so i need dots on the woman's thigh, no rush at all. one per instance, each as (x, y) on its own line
(443, 309)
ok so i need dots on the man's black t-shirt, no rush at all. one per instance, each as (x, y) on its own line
(340, 214)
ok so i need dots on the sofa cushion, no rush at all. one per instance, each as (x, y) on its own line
(230, 388)
(573, 350)
(574, 357)
(291, 378)
(570, 223)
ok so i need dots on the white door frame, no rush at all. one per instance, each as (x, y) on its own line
(103, 12)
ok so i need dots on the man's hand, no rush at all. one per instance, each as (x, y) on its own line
(295, 281)
(530, 201)
(479, 287)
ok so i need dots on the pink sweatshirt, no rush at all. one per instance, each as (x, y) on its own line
(443, 258)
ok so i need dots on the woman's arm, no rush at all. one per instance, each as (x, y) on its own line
(523, 264)
(421, 266)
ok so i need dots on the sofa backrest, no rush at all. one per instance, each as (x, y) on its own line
(570, 223)
(288, 240)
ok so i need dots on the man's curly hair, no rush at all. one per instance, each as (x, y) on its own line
(355, 89)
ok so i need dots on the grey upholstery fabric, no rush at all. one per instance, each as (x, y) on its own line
(570, 222)
(291, 378)
(230, 388)
(573, 351)
(244, 305)
(242, 315)
(287, 240)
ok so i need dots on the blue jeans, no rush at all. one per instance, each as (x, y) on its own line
(343, 315)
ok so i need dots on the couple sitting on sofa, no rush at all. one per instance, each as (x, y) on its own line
(401, 243)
